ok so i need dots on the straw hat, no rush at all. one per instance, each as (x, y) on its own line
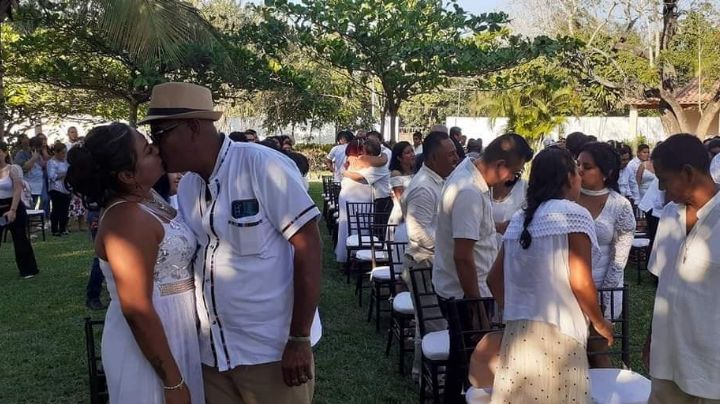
(180, 101)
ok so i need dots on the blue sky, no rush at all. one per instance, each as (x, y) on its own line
(480, 6)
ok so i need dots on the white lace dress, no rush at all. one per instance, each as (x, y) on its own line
(614, 227)
(130, 377)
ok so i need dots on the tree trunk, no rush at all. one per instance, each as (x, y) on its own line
(133, 114)
(709, 113)
(393, 112)
(670, 122)
(382, 118)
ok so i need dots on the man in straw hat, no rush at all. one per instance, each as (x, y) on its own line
(257, 270)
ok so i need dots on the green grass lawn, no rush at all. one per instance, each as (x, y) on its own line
(43, 348)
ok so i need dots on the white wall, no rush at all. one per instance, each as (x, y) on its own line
(605, 128)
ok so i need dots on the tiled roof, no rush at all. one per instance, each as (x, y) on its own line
(686, 96)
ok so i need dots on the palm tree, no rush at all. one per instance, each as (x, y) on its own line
(532, 112)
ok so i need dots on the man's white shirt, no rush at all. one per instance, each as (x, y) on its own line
(253, 203)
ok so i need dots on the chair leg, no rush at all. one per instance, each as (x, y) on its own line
(421, 393)
(390, 334)
(378, 301)
(435, 384)
(401, 345)
(373, 300)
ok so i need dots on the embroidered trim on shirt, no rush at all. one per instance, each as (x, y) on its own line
(297, 217)
(251, 224)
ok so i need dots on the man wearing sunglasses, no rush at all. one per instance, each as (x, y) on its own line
(465, 238)
(257, 266)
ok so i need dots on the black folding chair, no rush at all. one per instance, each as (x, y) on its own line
(621, 321)
(427, 309)
(468, 321)
(384, 278)
(96, 374)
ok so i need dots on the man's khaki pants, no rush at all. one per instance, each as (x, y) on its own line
(254, 384)
(668, 392)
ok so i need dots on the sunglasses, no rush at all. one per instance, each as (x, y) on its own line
(156, 135)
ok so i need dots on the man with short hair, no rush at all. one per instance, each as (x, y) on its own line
(456, 137)
(335, 159)
(417, 142)
(683, 349)
(258, 263)
(251, 136)
(465, 239)
(419, 208)
(625, 172)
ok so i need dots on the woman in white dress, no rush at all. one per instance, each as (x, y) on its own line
(542, 279)
(402, 169)
(599, 167)
(351, 190)
(150, 348)
(645, 173)
(507, 199)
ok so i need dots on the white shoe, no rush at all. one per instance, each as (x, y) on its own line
(28, 276)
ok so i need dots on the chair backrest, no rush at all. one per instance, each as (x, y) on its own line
(357, 219)
(335, 194)
(469, 320)
(425, 301)
(619, 315)
(96, 375)
(396, 253)
(327, 184)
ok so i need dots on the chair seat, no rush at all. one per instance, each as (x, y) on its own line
(366, 255)
(641, 243)
(382, 273)
(402, 303)
(478, 396)
(354, 240)
(436, 345)
(35, 212)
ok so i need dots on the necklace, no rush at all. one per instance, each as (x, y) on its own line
(591, 192)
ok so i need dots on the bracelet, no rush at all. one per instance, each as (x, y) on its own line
(298, 339)
(177, 386)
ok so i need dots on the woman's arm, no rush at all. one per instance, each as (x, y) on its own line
(131, 250)
(16, 179)
(620, 248)
(581, 283)
(496, 278)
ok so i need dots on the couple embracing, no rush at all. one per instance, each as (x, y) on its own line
(214, 302)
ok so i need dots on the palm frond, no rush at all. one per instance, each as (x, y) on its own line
(151, 29)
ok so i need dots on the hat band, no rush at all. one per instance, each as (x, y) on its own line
(172, 111)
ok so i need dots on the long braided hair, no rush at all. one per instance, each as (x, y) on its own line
(548, 179)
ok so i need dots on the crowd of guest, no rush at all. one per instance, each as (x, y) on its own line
(543, 246)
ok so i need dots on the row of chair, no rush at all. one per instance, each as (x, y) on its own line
(377, 260)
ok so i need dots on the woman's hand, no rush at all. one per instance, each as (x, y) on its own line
(605, 329)
(10, 215)
(178, 396)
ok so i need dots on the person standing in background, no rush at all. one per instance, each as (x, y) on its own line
(13, 214)
(57, 169)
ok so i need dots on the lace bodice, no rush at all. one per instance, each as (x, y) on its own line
(614, 227)
(175, 253)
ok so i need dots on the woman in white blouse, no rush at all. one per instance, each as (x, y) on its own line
(599, 166)
(543, 280)
(402, 169)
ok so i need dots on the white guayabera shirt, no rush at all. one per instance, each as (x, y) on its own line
(254, 202)
(686, 319)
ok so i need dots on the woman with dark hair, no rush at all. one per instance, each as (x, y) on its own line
(150, 349)
(543, 279)
(13, 213)
(402, 169)
(57, 168)
(599, 166)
